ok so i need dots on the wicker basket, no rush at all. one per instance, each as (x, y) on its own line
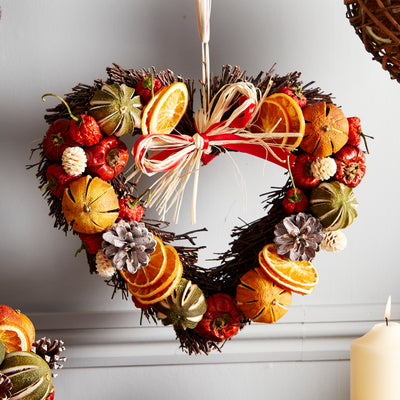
(377, 23)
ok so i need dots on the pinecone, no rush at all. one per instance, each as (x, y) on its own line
(298, 237)
(5, 387)
(129, 245)
(50, 352)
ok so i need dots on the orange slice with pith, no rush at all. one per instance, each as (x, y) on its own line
(163, 113)
(298, 276)
(295, 117)
(149, 274)
(173, 268)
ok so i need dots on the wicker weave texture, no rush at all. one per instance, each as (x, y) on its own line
(377, 23)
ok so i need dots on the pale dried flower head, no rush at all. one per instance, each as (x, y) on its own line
(323, 168)
(74, 160)
(334, 241)
(104, 265)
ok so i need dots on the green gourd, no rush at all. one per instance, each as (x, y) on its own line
(116, 109)
(334, 204)
(184, 308)
(30, 375)
(2, 352)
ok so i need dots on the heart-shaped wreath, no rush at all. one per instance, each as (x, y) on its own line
(83, 175)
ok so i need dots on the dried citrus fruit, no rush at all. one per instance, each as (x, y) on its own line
(148, 110)
(326, 130)
(172, 269)
(168, 108)
(28, 326)
(184, 308)
(15, 332)
(149, 274)
(260, 298)
(29, 373)
(116, 109)
(163, 294)
(272, 118)
(301, 289)
(14, 338)
(299, 274)
(295, 117)
(90, 205)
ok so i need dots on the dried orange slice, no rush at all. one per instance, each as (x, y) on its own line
(295, 117)
(272, 118)
(280, 280)
(167, 109)
(14, 338)
(149, 274)
(148, 110)
(299, 274)
(260, 298)
(173, 268)
(163, 294)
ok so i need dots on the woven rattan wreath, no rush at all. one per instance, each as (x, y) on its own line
(90, 190)
(377, 23)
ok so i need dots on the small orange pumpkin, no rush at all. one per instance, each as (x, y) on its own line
(90, 205)
(327, 129)
(260, 298)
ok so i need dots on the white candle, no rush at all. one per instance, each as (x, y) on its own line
(375, 362)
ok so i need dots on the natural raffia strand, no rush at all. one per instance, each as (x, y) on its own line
(377, 23)
(248, 239)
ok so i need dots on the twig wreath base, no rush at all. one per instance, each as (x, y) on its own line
(247, 240)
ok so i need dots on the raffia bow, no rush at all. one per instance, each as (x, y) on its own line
(179, 156)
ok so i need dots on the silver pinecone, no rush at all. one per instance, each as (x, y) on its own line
(298, 237)
(129, 245)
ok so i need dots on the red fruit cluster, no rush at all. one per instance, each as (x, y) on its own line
(147, 87)
(129, 210)
(222, 318)
(295, 94)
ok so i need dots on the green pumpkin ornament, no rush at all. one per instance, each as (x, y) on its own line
(184, 308)
(2, 352)
(116, 109)
(334, 204)
(30, 375)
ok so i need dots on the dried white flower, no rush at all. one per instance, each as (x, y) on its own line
(323, 168)
(74, 160)
(104, 265)
(334, 241)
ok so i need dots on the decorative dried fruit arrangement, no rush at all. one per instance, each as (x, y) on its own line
(83, 171)
(26, 364)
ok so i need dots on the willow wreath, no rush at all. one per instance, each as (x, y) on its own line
(83, 175)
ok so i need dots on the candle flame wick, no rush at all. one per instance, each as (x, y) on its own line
(388, 309)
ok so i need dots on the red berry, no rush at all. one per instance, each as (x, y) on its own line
(295, 94)
(86, 132)
(355, 131)
(295, 201)
(129, 211)
(92, 242)
(144, 86)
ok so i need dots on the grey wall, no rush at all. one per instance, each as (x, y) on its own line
(53, 45)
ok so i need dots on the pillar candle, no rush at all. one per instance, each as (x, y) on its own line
(375, 363)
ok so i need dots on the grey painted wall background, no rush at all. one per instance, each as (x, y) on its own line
(53, 45)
